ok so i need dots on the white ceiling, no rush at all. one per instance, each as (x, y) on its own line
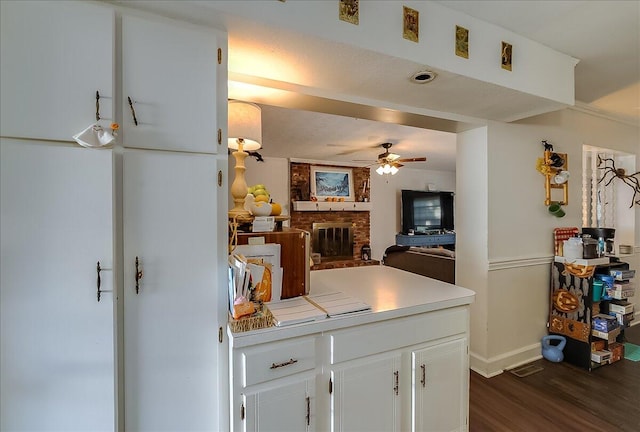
(418, 119)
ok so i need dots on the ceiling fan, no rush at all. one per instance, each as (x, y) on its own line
(389, 163)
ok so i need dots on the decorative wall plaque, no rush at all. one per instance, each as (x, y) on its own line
(410, 24)
(350, 11)
(506, 55)
(462, 42)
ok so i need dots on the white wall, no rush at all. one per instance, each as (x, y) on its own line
(520, 246)
(273, 173)
(472, 234)
(537, 69)
(386, 219)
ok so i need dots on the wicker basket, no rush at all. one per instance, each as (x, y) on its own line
(262, 318)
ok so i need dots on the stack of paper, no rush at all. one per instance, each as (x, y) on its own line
(294, 311)
(315, 307)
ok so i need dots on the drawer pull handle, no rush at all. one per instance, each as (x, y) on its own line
(279, 365)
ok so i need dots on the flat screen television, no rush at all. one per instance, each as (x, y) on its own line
(424, 212)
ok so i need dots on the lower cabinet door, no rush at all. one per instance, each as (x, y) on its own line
(170, 291)
(56, 338)
(366, 394)
(283, 408)
(440, 382)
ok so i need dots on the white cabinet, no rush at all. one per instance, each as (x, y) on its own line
(439, 379)
(65, 207)
(284, 406)
(378, 369)
(170, 322)
(57, 339)
(55, 57)
(407, 373)
(169, 74)
(274, 386)
(366, 394)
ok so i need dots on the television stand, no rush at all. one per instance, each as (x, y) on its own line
(425, 239)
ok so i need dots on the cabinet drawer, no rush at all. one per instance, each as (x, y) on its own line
(276, 360)
(397, 333)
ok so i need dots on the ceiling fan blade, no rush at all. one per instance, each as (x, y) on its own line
(417, 159)
(347, 152)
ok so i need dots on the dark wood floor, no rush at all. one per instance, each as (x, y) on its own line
(561, 397)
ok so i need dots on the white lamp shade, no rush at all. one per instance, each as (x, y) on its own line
(245, 122)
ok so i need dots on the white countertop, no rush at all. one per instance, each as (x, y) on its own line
(391, 292)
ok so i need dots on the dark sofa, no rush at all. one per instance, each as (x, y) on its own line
(435, 263)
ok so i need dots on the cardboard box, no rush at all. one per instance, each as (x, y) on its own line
(608, 336)
(617, 351)
(623, 319)
(598, 345)
(620, 294)
(623, 307)
(622, 274)
(602, 357)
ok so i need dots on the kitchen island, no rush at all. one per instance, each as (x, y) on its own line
(401, 366)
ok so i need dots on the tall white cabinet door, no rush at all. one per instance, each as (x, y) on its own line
(170, 320)
(169, 72)
(281, 408)
(440, 383)
(57, 357)
(55, 56)
(366, 395)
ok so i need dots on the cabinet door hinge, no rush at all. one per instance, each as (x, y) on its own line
(242, 412)
(330, 385)
(219, 136)
(220, 334)
(220, 178)
(308, 417)
(219, 55)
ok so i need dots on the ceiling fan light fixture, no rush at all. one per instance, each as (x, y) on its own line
(423, 77)
(380, 170)
(393, 170)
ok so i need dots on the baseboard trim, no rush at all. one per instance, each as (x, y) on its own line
(490, 367)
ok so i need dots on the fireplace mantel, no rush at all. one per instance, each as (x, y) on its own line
(331, 206)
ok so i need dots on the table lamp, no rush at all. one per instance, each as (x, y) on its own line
(245, 133)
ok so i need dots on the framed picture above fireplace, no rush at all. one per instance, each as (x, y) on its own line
(332, 184)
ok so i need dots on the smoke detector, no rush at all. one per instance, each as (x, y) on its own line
(423, 77)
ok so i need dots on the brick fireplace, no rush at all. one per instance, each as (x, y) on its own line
(359, 220)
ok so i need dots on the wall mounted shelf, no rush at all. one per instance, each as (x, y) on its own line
(550, 184)
(331, 206)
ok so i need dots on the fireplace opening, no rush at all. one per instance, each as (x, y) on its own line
(333, 241)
